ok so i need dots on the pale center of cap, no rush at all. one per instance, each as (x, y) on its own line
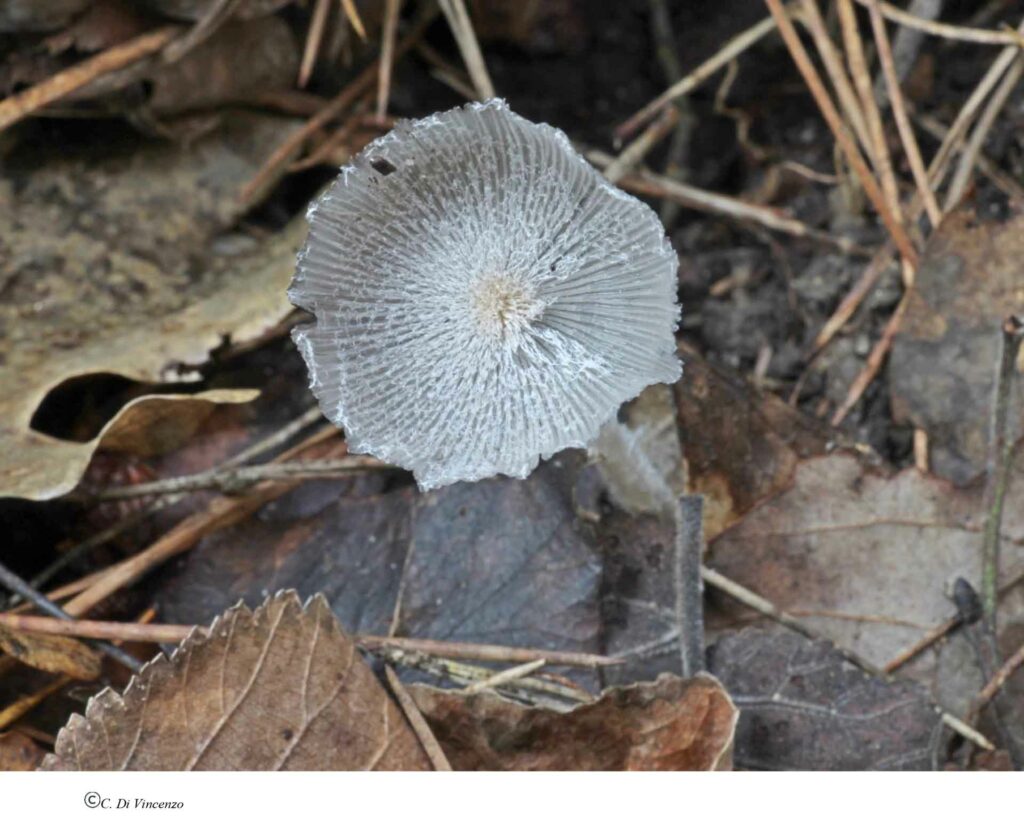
(503, 305)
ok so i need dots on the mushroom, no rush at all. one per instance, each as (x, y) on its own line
(483, 297)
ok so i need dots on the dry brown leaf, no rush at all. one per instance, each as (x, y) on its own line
(281, 687)
(944, 359)
(869, 555)
(54, 654)
(98, 271)
(669, 724)
(740, 445)
(18, 753)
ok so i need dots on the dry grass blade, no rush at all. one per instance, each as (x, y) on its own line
(469, 47)
(161, 632)
(835, 123)
(968, 159)
(219, 513)
(946, 30)
(352, 92)
(840, 82)
(633, 154)
(417, 722)
(899, 112)
(726, 54)
(651, 184)
(503, 676)
(387, 54)
(314, 38)
(352, 14)
(874, 362)
(27, 102)
(857, 61)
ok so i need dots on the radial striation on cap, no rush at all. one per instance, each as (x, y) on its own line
(483, 297)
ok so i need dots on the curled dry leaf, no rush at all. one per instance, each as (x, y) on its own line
(98, 275)
(282, 687)
(54, 654)
(804, 707)
(867, 555)
(669, 724)
(18, 753)
(944, 358)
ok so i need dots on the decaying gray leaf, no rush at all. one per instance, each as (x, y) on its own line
(804, 707)
(944, 358)
(670, 724)
(503, 561)
(282, 687)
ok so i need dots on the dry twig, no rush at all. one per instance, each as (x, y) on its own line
(835, 123)
(387, 54)
(465, 38)
(30, 100)
(726, 54)
(314, 37)
(419, 724)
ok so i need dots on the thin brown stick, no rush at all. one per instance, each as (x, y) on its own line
(235, 479)
(169, 633)
(419, 724)
(925, 642)
(721, 58)
(651, 184)
(469, 47)
(857, 61)
(947, 31)
(936, 173)
(387, 54)
(921, 450)
(848, 100)
(95, 629)
(835, 123)
(899, 112)
(352, 14)
(965, 167)
(363, 82)
(852, 300)
(996, 175)
(874, 362)
(505, 676)
(999, 679)
(468, 674)
(221, 512)
(487, 653)
(325, 153)
(23, 104)
(940, 630)
(315, 36)
(633, 154)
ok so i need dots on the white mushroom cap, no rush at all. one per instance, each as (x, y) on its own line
(483, 297)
